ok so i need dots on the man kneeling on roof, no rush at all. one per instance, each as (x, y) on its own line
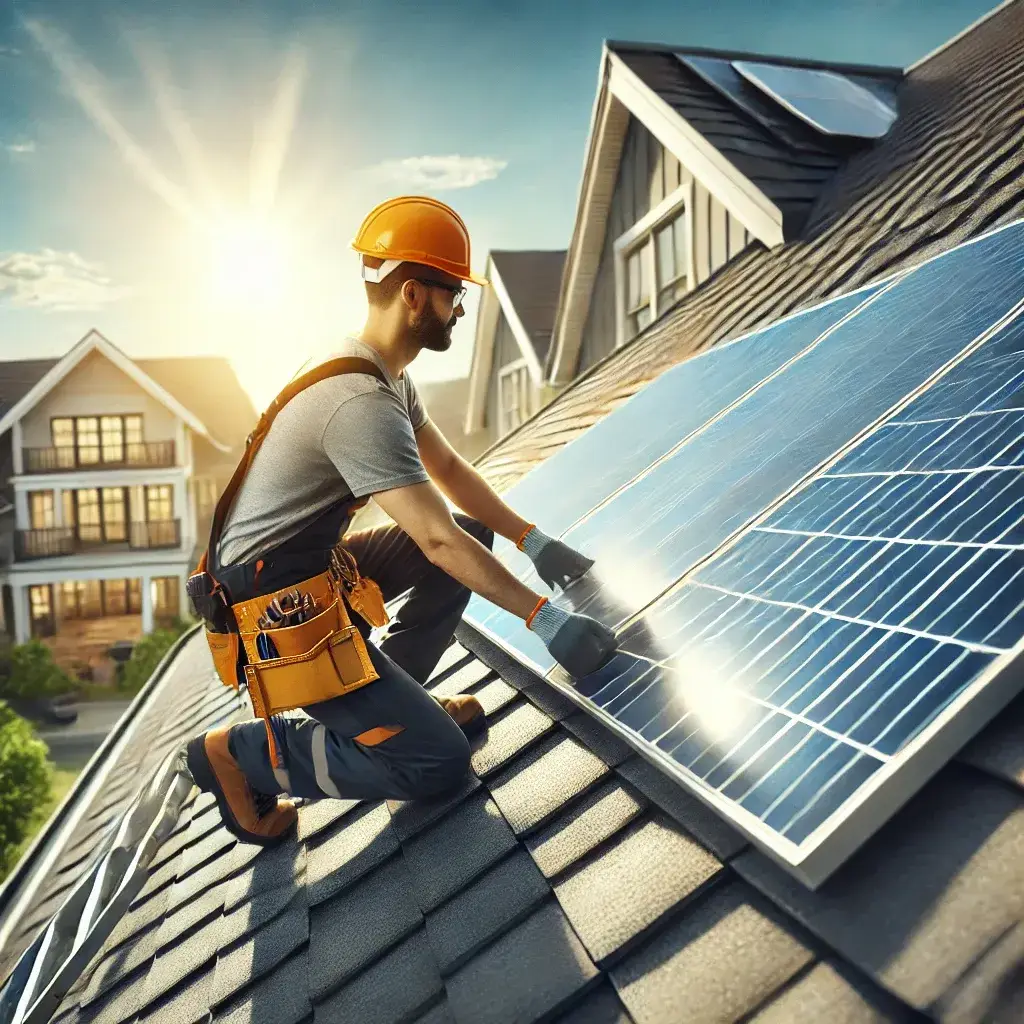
(276, 586)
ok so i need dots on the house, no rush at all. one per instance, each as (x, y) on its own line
(112, 467)
(513, 337)
(570, 880)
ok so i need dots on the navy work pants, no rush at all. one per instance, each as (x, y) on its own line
(430, 755)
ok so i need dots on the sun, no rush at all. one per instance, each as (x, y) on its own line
(248, 261)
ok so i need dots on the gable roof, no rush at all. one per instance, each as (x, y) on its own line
(524, 287)
(949, 168)
(206, 386)
(569, 880)
(761, 162)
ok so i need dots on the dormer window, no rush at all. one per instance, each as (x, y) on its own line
(654, 264)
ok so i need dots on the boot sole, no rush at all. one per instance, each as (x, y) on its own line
(206, 779)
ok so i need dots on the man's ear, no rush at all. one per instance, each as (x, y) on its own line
(410, 294)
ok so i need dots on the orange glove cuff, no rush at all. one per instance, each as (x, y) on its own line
(537, 607)
(519, 543)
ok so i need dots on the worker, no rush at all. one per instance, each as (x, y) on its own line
(324, 449)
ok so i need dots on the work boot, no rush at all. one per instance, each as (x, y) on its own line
(466, 711)
(252, 817)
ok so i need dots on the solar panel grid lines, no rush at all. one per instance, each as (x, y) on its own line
(807, 660)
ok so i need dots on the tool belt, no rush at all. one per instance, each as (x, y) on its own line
(320, 658)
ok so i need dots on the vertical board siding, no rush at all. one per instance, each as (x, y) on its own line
(506, 350)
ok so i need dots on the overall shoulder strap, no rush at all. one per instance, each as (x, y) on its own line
(332, 368)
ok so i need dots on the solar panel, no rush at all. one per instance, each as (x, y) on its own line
(822, 580)
(826, 100)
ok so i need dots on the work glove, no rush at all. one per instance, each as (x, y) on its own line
(578, 643)
(556, 563)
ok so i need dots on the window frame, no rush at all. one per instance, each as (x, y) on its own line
(520, 369)
(642, 236)
(75, 447)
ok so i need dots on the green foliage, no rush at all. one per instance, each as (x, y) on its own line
(146, 655)
(25, 779)
(29, 671)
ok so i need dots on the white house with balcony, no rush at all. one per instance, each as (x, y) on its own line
(112, 468)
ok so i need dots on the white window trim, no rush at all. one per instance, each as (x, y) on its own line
(638, 234)
(512, 369)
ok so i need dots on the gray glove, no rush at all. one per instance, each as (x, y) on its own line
(578, 643)
(556, 563)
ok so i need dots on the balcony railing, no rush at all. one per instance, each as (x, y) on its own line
(70, 540)
(140, 455)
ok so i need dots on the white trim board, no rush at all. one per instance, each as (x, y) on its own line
(73, 480)
(95, 342)
(623, 94)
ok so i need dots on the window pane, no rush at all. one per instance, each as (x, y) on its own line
(666, 255)
(69, 600)
(165, 596)
(88, 430)
(114, 514)
(115, 597)
(133, 429)
(41, 510)
(63, 432)
(633, 283)
(159, 503)
(681, 228)
(68, 501)
(112, 438)
(135, 596)
(92, 599)
(89, 515)
(39, 600)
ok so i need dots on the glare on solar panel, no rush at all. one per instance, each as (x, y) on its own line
(809, 674)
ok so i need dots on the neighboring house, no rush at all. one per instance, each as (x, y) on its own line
(112, 467)
(570, 880)
(513, 336)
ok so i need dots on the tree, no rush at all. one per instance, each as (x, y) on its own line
(25, 779)
(146, 655)
(31, 672)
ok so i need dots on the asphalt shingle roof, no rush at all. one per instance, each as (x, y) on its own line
(532, 279)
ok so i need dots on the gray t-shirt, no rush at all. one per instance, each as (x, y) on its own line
(346, 436)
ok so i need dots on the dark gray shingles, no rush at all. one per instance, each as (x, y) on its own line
(176, 963)
(320, 815)
(122, 962)
(554, 704)
(640, 877)
(601, 1006)
(352, 930)
(466, 923)
(495, 695)
(462, 680)
(719, 962)
(189, 1004)
(922, 903)
(262, 951)
(993, 991)
(598, 739)
(452, 658)
(701, 822)
(279, 998)
(275, 867)
(509, 734)
(135, 921)
(453, 852)
(398, 987)
(543, 780)
(583, 827)
(263, 906)
(999, 749)
(412, 816)
(439, 1014)
(530, 972)
(361, 843)
(120, 1004)
(191, 914)
(824, 994)
(202, 853)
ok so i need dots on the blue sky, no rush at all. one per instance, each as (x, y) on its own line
(186, 177)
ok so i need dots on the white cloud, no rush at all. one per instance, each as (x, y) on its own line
(55, 280)
(441, 172)
(20, 148)
(9, 51)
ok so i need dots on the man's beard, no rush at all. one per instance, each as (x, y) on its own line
(433, 333)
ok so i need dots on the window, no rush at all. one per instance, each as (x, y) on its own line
(115, 525)
(67, 500)
(164, 592)
(159, 503)
(115, 597)
(96, 440)
(40, 602)
(88, 516)
(515, 395)
(653, 264)
(41, 510)
(134, 596)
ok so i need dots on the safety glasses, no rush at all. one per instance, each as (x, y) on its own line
(457, 291)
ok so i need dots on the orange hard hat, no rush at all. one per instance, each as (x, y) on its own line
(417, 229)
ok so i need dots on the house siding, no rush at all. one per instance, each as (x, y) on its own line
(96, 387)
(506, 350)
(648, 173)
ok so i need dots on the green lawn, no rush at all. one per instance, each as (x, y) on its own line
(63, 779)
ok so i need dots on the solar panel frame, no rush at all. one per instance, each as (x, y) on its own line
(817, 856)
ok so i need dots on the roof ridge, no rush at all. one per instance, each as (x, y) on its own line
(962, 34)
